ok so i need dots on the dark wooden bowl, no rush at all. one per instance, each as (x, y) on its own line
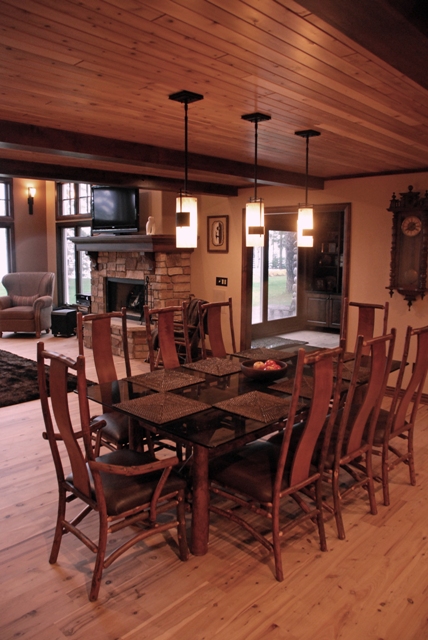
(263, 375)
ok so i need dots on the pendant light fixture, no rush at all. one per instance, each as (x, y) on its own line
(255, 209)
(186, 224)
(305, 217)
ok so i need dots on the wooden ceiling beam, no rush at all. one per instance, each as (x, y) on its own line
(26, 137)
(44, 171)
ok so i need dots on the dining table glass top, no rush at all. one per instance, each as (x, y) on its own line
(200, 405)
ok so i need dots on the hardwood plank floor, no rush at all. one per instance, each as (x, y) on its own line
(373, 585)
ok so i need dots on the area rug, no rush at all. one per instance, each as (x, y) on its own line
(18, 379)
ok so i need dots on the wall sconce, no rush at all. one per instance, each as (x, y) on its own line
(31, 194)
(186, 223)
(255, 208)
(305, 217)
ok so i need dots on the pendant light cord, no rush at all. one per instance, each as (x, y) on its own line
(307, 171)
(186, 106)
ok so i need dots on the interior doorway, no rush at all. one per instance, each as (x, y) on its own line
(278, 279)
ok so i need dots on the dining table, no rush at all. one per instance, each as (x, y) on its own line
(209, 407)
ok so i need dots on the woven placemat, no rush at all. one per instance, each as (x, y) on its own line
(257, 405)
(348, 370)
(348, 355)
(287, 386)
(215, 366)
(165, 379)
(261, 353)
(162, 407)
(307, 388)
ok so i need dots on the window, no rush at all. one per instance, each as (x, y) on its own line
(75, 199)
(73, 220)
(6, 232)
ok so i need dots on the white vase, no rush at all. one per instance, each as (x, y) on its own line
(150, 226)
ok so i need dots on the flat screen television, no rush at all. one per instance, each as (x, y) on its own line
(114, 210)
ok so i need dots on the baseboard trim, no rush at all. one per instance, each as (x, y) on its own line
(390, 392)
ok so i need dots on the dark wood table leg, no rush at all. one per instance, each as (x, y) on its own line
(200, 502)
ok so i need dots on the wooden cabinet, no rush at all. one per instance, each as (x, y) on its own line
(323, 310)
(324, 271)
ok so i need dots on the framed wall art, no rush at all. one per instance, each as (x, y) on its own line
(218, 234)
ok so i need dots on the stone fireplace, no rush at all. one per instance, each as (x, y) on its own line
(129, 293)
(164, 274)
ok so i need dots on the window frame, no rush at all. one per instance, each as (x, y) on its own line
(8, 222)
(60, 217)
(70, 221)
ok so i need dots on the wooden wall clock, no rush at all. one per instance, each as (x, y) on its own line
(409, 249)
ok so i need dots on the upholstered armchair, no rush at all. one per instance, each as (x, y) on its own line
(28, 305)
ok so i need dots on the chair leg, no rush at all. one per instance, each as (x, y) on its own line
(59, 529)
(337, 505)
(370, 483)
(276, 540)
(99, 562)
(412, 471)
(320, 515)
(385, 475)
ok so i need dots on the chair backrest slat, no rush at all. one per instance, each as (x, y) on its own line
(58, 413)
(210, 314)
(364, 413)
(322, 412)
(172, 330)
(413, 391)
(102, 347)
(366, 320)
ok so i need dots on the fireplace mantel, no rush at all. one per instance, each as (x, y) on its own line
(142, 243)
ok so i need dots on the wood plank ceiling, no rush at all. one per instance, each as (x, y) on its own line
(84, 90)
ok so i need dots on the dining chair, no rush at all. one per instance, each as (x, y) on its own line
(398, 423)
(167, 336)
(117, 429)
(259, 475)
(125, 487)
(366, 320)
(352, 438)
(210, 314)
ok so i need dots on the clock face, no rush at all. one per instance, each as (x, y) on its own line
(411, 226)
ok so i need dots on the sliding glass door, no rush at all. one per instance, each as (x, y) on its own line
(275, 278)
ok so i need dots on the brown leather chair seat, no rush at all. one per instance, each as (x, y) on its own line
(256, 460)
(124, 493)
